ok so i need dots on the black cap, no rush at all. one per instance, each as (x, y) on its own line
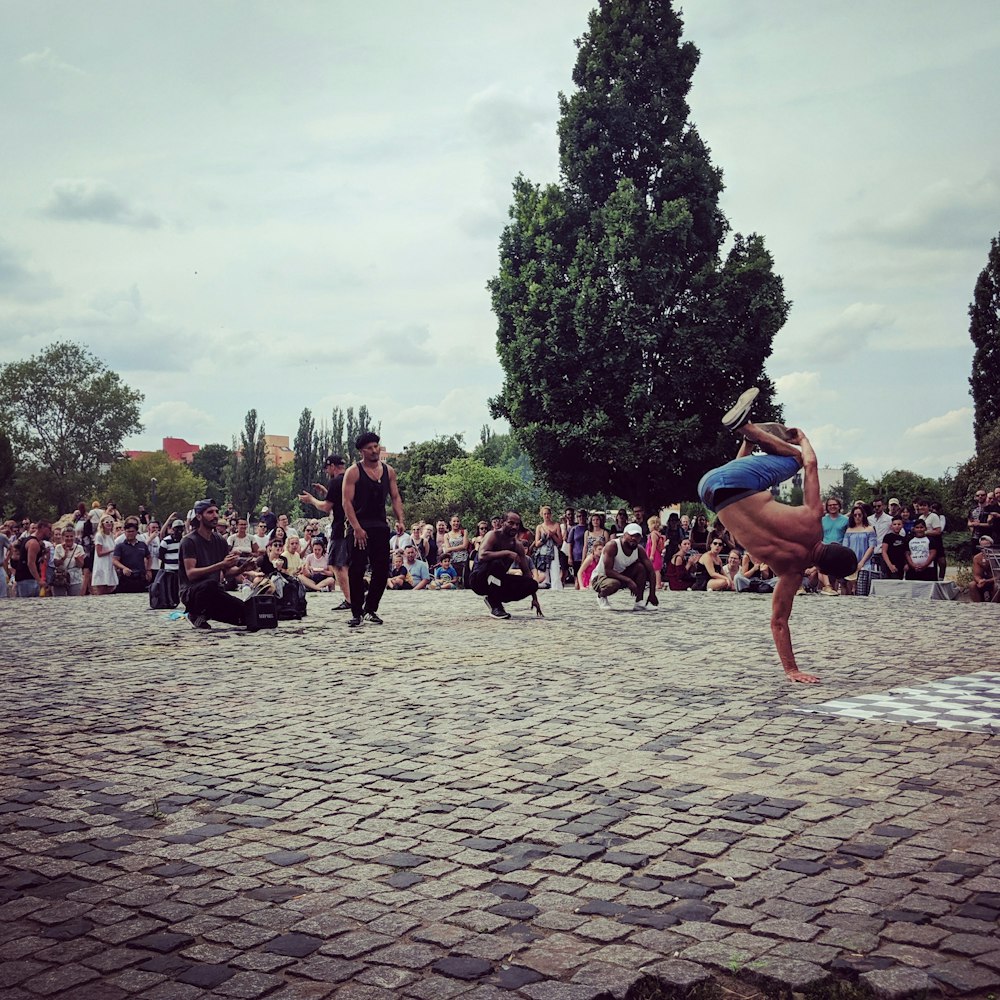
(334, 460)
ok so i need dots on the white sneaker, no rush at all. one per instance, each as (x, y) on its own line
(603, 603)
(639, 606)
(737, 416)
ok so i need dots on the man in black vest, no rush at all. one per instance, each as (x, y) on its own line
(367, 483)
(204, 560)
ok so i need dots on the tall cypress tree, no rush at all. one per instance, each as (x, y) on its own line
(622, 332)
(984, 328)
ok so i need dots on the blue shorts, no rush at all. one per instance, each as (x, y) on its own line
(743, 477)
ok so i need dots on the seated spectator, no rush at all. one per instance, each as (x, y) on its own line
(708, 573)
(260, 538)
(983, 585)
(731, 567)
(427, 545)
(920, 554)
(400, 538)
(445, 575)
(315, 572)
(68, 562)
(293, 557)
(757, 577)
(590, 561)
(679, 568)
(410, 573)
(894, 550)
(397, 571)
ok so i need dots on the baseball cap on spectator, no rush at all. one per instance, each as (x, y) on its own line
(177, 524)
(202, 505)
(632, 529)
(894, 500)
(334, 460)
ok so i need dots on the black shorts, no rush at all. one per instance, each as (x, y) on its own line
(340, 552)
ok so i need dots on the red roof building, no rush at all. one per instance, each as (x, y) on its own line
(179, 450)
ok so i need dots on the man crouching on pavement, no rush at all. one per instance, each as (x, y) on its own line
(204, 560)
(625, 565)
(499, 551)
(788, 539)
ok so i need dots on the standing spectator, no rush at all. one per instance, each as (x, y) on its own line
(545, 550)
(907, 515)
(440, 540)
(152, 540)
(894, 550)
(400, 538)
(5, 545)
(482, 527)
(699, 534)
(639, 517)
(105, 579)
(31, 581)
(457, 546)
(834, 525)
(68, 561)
(685, 526)
(427, 545)
(920, 554)
(935, 532)
(880, 521)
(979, 515)
(258, 543)
(565, 552)
(333, 504)
(655, 544)
(596, 532)
(241, 541)
(170, 547)
(620, 522)
(673, 534)
(861, 539)
(577, 540)
(132, 560)
(983, 582)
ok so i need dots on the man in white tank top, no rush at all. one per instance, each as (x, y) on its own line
(625, 565)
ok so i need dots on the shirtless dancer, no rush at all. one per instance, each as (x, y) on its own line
(789, 539)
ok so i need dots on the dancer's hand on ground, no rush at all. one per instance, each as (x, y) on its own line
(797, 675)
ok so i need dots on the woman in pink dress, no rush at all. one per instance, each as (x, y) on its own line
(655, 545)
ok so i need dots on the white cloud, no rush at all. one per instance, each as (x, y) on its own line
(47, 59)
(86, 200)
(801, 388)
(948, 424)
(19, 280)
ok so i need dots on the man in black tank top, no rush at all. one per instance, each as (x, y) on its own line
(366, 486)
(499, 552)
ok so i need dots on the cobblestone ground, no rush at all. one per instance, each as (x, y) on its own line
(450, 806)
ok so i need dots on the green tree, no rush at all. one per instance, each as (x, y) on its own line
(984, 328)
(211, 462)
(177, 485)
(249, 474)
(337, 424)
(66, 414)
(280, 492)
(907, 486)
(423, 459)
(621, 331)
(473, 490)
(7, 464)
(982, 471)
(306, 467)
(854, 486)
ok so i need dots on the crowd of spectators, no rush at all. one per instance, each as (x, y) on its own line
(99, 551)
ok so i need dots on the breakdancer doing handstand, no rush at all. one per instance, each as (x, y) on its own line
(789, 539)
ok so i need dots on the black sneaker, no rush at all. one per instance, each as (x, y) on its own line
(737, 416)
(355, 622)
(199, 621)
(373, 618)
(499, 612)
(343, 606)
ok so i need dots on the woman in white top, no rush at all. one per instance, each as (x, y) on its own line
(104, 579)
(68, 558)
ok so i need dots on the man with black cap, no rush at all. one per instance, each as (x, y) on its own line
(339, 555)
(788, 539)
(204, 560)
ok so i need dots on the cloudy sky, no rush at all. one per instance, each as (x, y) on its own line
(294, 204)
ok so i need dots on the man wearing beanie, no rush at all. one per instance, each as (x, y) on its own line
(204, 560)
(788, 539)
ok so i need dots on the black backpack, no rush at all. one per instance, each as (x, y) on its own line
(292, 603)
